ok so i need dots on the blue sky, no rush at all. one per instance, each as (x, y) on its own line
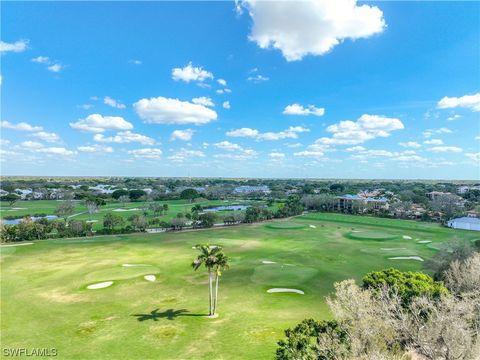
(253, 89)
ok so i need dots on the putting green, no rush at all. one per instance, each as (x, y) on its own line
(286, 225)
(371, 235)
(282, 275)
(121, 273)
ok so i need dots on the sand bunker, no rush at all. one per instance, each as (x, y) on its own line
(285, 290)
(418, 258)
(120, 210)
(100, 285)
(313, 226)
(406, 237)
(15, 209)
(23, 244)
(424, 241)
(150, 277)
(268, 262)
(92, 221)
(391, 249)
(130, 265)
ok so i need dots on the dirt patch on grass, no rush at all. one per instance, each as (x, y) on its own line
(59, 296)
(87, 328)
(167, 332)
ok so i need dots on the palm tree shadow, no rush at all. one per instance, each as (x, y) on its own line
(169, 314)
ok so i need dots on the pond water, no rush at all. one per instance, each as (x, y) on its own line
(19, 220)
(227, 208)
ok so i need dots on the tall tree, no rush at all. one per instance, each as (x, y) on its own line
(221, 264)
(207, 257)
(65, 209)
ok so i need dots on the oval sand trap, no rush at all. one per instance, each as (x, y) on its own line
(424, 241)
(313, 226)
(268, 262)
(150, 277)
(418, 258)
(285, 290)
(121, 210)
(406, 237)
(100, 285)
(131, 265)
(23, 244)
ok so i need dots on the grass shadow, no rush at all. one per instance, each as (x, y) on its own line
(169, 314)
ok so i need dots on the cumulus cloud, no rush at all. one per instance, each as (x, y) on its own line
(191, 73)
(185, 154)
(124, 137)
(146, 153)
(290, 133)
(433, 142)
(258, 78)
(95, 149)
(30, 145)
(222, 82)
(226, 105)
(471, 102)
(17, 46)
(55, 68)
(454, 117)
(276, 155)
(96, 123)
(21, 126)
(163, 110)
(305, 28)
(452, 149)
(410, 144)
(113, 103)
(41, 59)
(203, 100)
(473, 156)
(57, 151)
(367, 127)
(429, 132)
(184, 135)
(309, 153)
(297, 109)
(404, 156)
(47, 136)
(355, 148)
(227, 145)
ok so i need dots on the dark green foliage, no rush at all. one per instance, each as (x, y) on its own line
(111, 221)
(10, 198)
(189, 194)
(207, 219)
(292, 207)
(118, 193)
(408, 284)
(136, 195)
(302, 341)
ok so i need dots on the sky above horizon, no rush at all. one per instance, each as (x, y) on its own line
(318, 89)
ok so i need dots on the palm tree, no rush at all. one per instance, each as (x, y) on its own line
(220, 264)
(208, 258)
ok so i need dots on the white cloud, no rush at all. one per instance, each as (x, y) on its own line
(452, 149)
(298, 29)
(55, 68)
(135, 62)
(433, 142)
(85, 106)
(297, 109)
(222, 82)
(203, 100)
(113, 103)
(31, 145)
(163, 110)
(367, 127)
(244, 154)
(95, 149)
(47, 136)
(410, 144)
(258, 78)
(191, 73)
(41, 59)
(429, 132)
(290, 133)
(226, 105)
(185, 154)
(227, 145)
(355, 148)
(277, 155)
(310, 154)
(96, 123)
(454, 117)
(124, 137)
(473, 156)
(294, 145)
(21, 126)
(471, 102)
(146, 153)
(17, 46)
(56, 151)
(184, 135)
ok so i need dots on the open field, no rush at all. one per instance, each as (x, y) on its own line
(46, 303)
(32, 207)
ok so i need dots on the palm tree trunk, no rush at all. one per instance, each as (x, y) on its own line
(210, 290)
(216, 294)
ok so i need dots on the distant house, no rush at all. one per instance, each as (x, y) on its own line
(464, 189)
(247, 189)
(465, 223)
(433, 194)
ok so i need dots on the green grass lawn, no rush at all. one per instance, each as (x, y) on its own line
(46, 303)
(31, 207)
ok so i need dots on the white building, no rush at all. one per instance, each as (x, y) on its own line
(465, 223)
